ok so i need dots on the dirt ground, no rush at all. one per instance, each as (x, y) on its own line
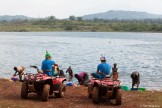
(76, 97)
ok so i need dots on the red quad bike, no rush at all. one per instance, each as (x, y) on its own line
(106, 87)
(43, 85)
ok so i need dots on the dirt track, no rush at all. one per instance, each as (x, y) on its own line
(76, 97)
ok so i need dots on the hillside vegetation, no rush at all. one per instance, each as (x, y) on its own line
(78, 24)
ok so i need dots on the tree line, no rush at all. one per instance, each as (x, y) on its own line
(73, 23)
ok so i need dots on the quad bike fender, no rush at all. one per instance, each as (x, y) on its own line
(49, 82)
(62, 79)
(59, 80)
(96, 84)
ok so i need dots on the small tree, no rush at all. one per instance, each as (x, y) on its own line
(72, 17)
(79, 18)
(51, 18)
(69, 27)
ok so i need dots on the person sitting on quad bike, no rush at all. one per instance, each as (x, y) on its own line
(103, 69)
(48, 65)
(83, 78)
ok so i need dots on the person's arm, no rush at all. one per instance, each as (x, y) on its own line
(98, 71)
(80, 83)
(15, 73)
(67, 70)
(42, 66)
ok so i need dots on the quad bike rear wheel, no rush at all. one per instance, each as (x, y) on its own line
(45, 93)
(62, 91)
(95, 95)
(24, 90)
(118, 97)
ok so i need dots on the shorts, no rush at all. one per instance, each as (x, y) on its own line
(99, 76)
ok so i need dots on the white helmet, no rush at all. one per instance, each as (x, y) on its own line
(102, 58)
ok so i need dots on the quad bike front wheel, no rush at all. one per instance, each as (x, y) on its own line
(24, 90)
(45, 93)
(118, 97)
(95, 95)
(89, 91)
(62, 91)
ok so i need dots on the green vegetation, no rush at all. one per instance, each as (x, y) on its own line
(78, 24)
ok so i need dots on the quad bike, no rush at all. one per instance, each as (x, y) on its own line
(106, 87)
(43, 85)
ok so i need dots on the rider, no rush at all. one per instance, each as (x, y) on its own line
(48, 65)
(103, 69)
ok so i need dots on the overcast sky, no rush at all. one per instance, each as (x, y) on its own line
(66, 8)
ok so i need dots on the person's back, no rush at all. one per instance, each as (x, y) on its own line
(103, 69)
(82, 74)
(47, 65)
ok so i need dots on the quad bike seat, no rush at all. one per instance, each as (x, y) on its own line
(107, 76)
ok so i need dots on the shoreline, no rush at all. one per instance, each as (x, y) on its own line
(152, 90)
(76, 97)
(80, 31)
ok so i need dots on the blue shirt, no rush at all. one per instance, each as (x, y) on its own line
(47, 67)
(104, 68)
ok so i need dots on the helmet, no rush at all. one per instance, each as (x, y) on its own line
(102, 58)
(47, 54)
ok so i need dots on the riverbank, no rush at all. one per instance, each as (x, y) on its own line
(81, 26)
(76, 97)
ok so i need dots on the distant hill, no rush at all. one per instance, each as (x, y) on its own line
(16, 17)
(112, 14)
(120, 15)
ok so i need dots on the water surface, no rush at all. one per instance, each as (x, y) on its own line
(81, 50)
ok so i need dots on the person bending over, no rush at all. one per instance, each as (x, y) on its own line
(83, 78)
(135, 79)
(20, 70)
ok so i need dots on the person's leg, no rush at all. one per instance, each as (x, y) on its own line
(96, 75)
(20, 76)
(70, 78)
